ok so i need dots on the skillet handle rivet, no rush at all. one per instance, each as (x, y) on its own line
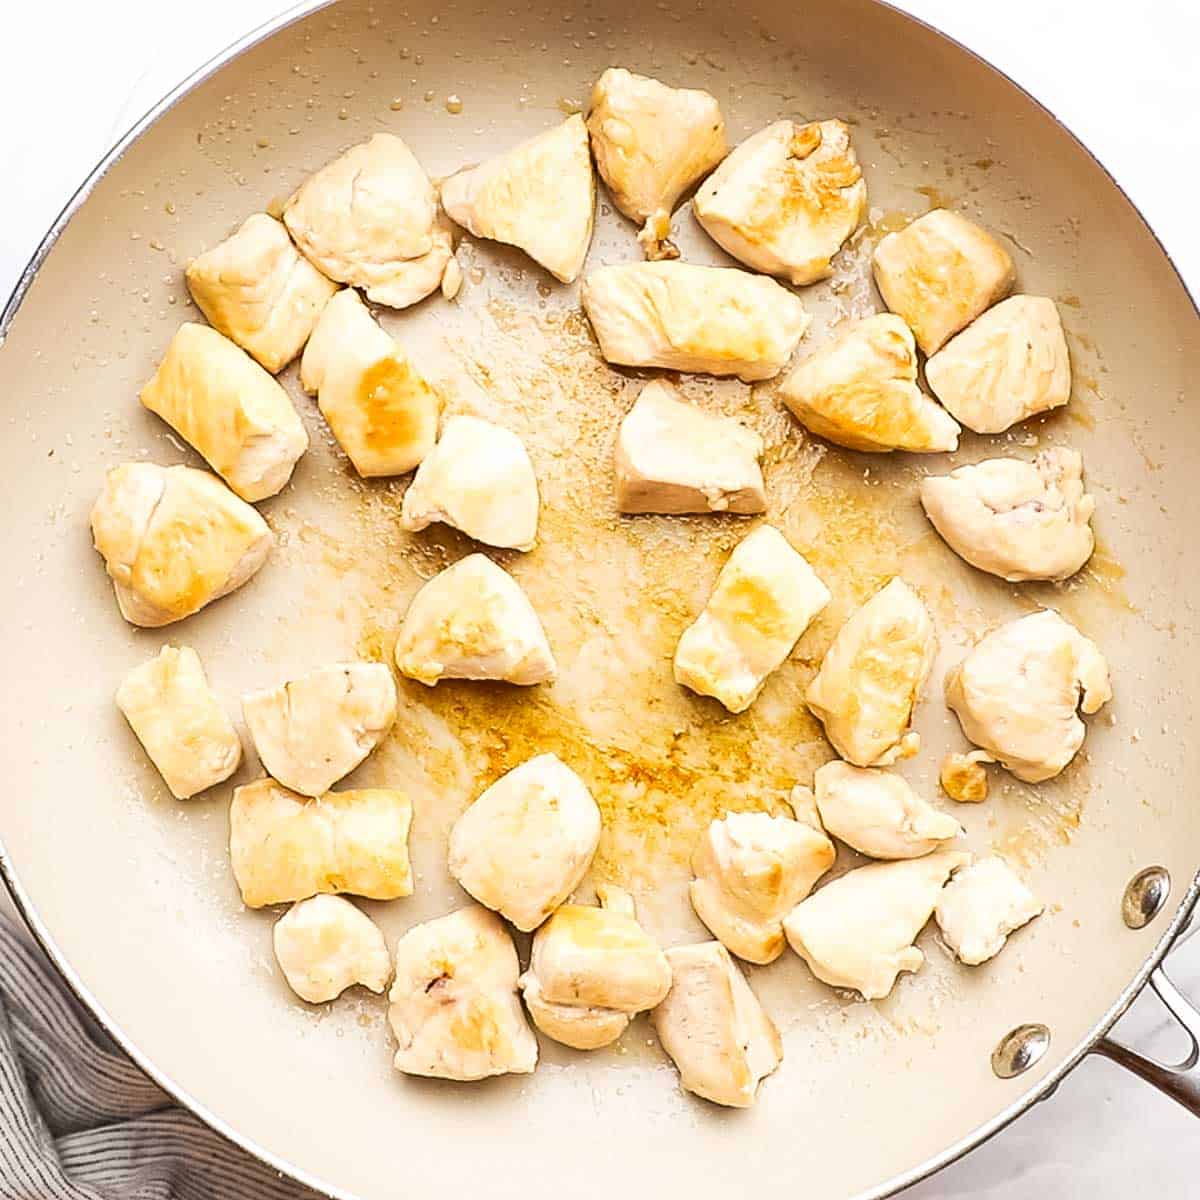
(1145, 894)
(1019, 1050)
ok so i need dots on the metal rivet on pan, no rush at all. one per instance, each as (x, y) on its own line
(1019, 1050)
(1144, 897)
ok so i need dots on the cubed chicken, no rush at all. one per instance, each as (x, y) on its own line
(964, 777)
(714, 1028)
(454, 1007)
(592, 971)
(370, 219)
(1016, 519)
(940, 273)
(765, 597)
(672, 457)
(861, 392)
(180, 723)
(876, 812)
(981, 906)
(526, 843)
(257, 289)
(1019, 691)
(1007, 365)
(713, 320)
(313, 730)
(652, 142)
(871, 678)
(325, 945)
(473, 621)
(540, 196)
(751, 870)
(479, 479)
(286, 847)
(379, 406)
(786, 199)
(219, 400)
(858, 931)
(174, 539)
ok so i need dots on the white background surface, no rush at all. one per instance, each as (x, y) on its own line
(1126, 79)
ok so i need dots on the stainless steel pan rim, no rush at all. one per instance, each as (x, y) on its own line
(1091, 1042)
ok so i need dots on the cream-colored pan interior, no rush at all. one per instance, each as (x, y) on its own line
(133, 889)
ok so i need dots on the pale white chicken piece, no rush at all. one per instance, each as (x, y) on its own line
(765, 597)
(1016, 519)
(526, 843)
(1019, 691)
(672, 457)
(872, 676)
(713, 1027)
(712, 320)
(286, 847)
(173, 540)
(316, 728)
(325, 945)
(861, 392)
(652, 142)
(257, 289)
(473, 621)
(1007, 365)
(981, 906)
(179, 721)
(786, 199)
(877, 813)
(454, 1007)
(219, 400)
(379, 406)
(751, 870)
(479, 479)
(370, 219)
(592, 971)
(858, 931)
(539, 196)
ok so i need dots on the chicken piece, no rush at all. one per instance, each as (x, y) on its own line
(454, 1007)
(786, 199)
(1019, 520)
(174, 539)
(765, 597)
(539, 196)
(652, 142)
(963, 777)
(1007, 365)
(286, 847)
(876, 812)
(180, 723)
(324, 945)
(861, 392)
(751, 870)
(473, 621)
(713, 1027)
(672, 457)
(370, 219)
(939, 273)
(981, 906)
(714, 320)
(872, 676)
(592, 971)
(858, 931)
(524, 845)
(258, 291)
(479, 479)
(379, 406)
(1019, 691)
(219, 400)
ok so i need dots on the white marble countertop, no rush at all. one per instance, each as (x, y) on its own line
(1128, 87)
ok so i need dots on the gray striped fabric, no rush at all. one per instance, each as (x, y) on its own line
(78, 1121)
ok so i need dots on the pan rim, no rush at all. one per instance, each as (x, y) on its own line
(24, 903)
